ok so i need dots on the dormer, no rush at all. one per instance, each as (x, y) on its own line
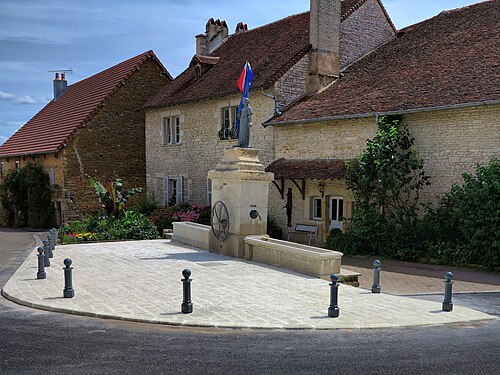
(202, 64)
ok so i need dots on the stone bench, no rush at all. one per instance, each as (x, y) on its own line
(304, 259)
(192, 234)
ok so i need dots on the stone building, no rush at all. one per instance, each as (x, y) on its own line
(95, 127)
(321, 80)
(442, 75)
(190, 122)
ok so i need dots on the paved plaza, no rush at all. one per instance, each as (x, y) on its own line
(141, 281)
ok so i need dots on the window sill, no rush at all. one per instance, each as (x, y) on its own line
(171, 145)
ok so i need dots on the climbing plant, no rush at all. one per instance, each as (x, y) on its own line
(26, 197)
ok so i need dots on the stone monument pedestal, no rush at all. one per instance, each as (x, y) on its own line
(241, 183)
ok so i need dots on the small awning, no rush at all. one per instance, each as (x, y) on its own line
(300, 170)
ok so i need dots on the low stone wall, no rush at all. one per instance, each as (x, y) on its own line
(297, 257)
(192, 234)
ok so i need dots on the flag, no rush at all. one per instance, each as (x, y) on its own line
(244, 83)
(245, 80)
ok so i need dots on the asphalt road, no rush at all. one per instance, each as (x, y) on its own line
(37, 342)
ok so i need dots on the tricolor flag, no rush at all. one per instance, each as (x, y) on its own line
(244, 84)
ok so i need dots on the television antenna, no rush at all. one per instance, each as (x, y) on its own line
(70, 70)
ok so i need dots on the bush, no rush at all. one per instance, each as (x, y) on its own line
(467, 223)
(163, 217)
(132, 225)
(463, 230)
(26, 196)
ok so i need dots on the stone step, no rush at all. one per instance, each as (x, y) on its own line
(167, 234)
(349, 277)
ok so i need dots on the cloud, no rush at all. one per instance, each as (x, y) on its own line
(25, 99)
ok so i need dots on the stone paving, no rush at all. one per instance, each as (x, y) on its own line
(141, 281)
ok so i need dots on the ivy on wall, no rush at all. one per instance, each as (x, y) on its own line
(26, 197)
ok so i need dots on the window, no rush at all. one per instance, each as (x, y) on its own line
(172, 191)
(52, 176)
(228, 122)
(17, 164)
(171, 130)
(316, 208)
(209, 191)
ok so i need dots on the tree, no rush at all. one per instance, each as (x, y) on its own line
(388, 176)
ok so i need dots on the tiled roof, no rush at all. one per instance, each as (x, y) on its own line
(449, 60)
(271, 49)
(308, 169)
(50, 128)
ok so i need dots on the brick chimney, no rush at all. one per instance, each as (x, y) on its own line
(215, 33)
(324, 36)
(60, 85)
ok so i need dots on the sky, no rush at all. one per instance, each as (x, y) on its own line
(88, 36)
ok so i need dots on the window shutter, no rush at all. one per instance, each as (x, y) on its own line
(178, 198)
(165, 191)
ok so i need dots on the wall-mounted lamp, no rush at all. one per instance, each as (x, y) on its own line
(69, 196)
(321, 188)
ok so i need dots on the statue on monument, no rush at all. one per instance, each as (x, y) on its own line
(245, 123)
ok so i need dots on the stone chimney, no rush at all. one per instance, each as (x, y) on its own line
(324, 36)
(60, 85)
(241, 28)
(215, 33)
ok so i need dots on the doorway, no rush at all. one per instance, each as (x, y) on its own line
(336, 212)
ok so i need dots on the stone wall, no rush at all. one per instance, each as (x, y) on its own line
(293, 83)
(112, 144)
(453, 142)
(363, 31)
(200, 149)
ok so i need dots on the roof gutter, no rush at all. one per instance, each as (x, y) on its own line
(383, 113)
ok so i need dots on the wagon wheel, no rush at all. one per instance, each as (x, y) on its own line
(220, 221)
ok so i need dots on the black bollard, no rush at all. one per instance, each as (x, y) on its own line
(50, 240)
(187, 306)
(68, 292)
(46, 253)
(376, 276)
(41, 266)
(54, 232)
(333, 310)
(447, 304)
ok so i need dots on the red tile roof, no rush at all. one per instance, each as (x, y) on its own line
(50, 128)
(308, 169)
(449, 60)
(271, 49)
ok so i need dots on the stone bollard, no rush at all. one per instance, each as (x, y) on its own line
(41, 266)
(376, 276)
(187, 306)
(447, 304)
(68, 292)
(333, 310)
(46, 253)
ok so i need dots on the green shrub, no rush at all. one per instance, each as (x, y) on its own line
(26, 196)
(132, 225)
